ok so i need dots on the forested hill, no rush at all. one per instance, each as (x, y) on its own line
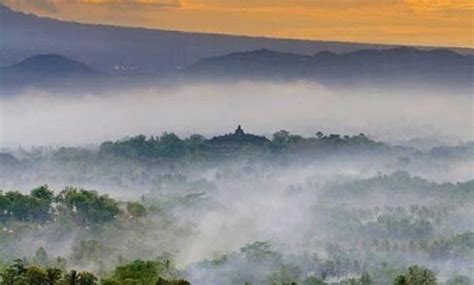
(233, 145)
(170, 148)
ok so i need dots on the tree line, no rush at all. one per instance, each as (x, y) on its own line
(84, 207)
(169, 146)
(138, 272)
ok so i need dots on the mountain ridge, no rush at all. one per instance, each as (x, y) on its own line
(400, 64)
(46, 70)
(133, 50)
(51, 64)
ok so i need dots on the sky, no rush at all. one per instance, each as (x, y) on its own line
(409, 22)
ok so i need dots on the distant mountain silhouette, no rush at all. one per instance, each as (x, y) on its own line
(47, 70)
(440, 66)
(51, 64)
(122, 50)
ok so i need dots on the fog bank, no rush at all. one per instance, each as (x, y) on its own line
(37, 117)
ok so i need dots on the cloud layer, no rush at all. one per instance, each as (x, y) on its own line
(40, 118)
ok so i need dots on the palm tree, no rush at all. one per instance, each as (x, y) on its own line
(14, 274)
(35, 276)
(8, 276)
(72, 278)
(87, 278)
(53, 275)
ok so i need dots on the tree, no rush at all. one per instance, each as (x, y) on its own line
(36, 276)
(15, 274)
(41, 257)
(53, 275)
(136, 210)
(171, 146)
(35, 207)
(19, 266)
(259, 251)
(313, 280)
(144, 272)
(41, 202)
(281, 137)
(72, 278)
(59, 262)
(9, 276)
(86, 278)
(162, 281)
(365, 279)
(286, 274)
(400, 280)
(88, 207)
(420, 276)
(42, 193)
(416, 275)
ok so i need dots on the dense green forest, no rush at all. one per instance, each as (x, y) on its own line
(111, 235)
(150, 272)
(238, 144)
(237, 209)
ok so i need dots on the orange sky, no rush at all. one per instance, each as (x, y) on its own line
(413, 22)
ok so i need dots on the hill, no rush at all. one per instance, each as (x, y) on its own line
(45, 70)
(50, 64)
(122, 50)
(402, 64)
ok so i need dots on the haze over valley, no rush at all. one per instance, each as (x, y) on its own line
(152, 157)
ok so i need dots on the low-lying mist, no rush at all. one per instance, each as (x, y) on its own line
(258, 223)
(40, 117)
(362, 184)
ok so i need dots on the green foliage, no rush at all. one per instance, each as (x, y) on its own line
(72, 277)
(167, 146)
(136, 210)
(399, 228)
(21, 274)
(53, 275)
(80, 278)
(139, 272)
(259, 251)
(416, 275)
(458, 245)
(88, 207)
(400, 280)
(81, 206)
(365, 279)
(312, 280)
(286, 274)
(86, 278)
(27, 208)
(170, 147)
(36, 276)
(402, 230)
(41, 257)
(162, 281)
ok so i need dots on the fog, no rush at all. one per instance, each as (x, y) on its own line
(238, 210)
(41, 117)
(309, 214)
